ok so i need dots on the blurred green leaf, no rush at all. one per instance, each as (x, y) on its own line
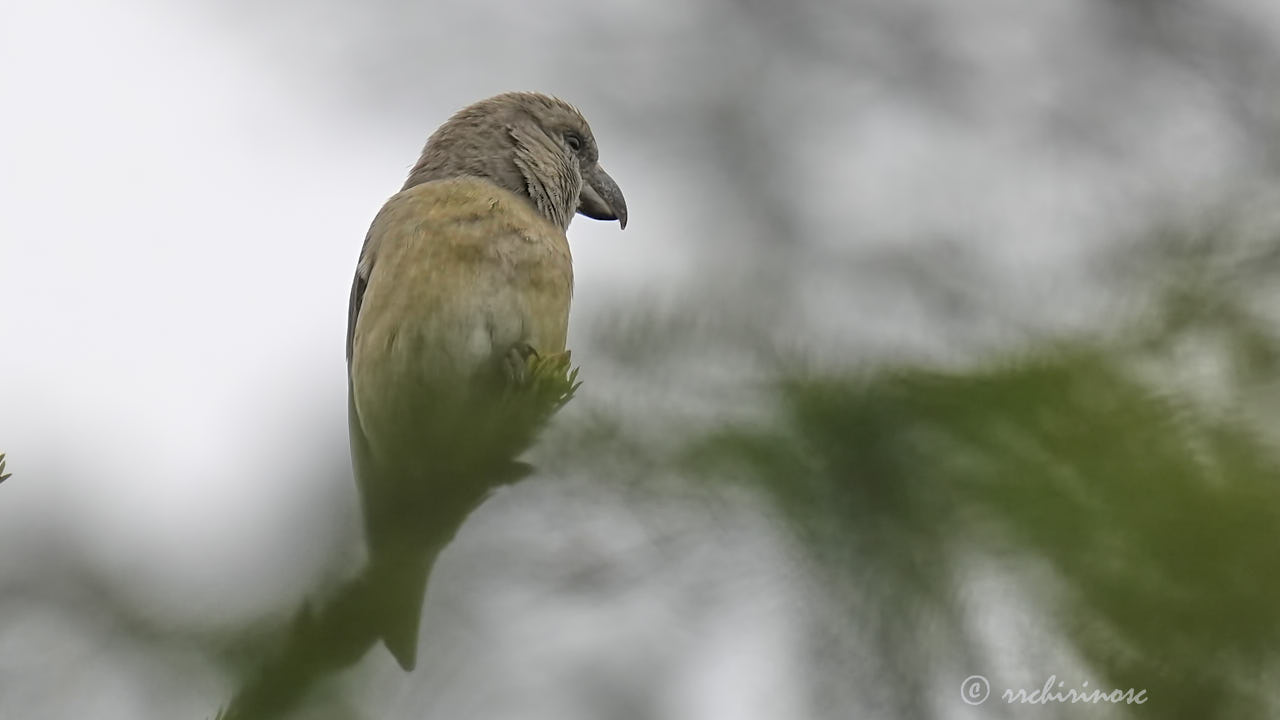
(1160, 517)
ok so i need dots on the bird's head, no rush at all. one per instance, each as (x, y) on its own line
(534, 145)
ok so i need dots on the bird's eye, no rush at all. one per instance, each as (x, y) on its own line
(574, 141)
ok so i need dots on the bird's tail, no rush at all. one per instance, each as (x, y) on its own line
(397, 583)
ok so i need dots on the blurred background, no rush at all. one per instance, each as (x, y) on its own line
(942, 342)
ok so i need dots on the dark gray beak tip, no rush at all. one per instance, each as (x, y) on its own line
(601, 198)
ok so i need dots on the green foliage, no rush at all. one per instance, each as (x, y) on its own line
(3, 476)
(481, 437)
(1158, 517)
(551, 384)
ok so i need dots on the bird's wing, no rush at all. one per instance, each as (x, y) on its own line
(360, 452)
(359, 443)
(358, 285)
(364, 267)
(396, 577)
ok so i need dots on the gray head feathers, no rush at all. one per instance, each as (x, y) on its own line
(533, 145)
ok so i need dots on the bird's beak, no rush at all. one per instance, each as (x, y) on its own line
(601, 199)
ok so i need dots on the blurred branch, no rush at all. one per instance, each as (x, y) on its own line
(335, 636)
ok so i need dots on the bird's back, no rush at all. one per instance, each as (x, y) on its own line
(461, 270)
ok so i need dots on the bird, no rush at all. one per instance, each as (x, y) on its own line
(464, 276)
